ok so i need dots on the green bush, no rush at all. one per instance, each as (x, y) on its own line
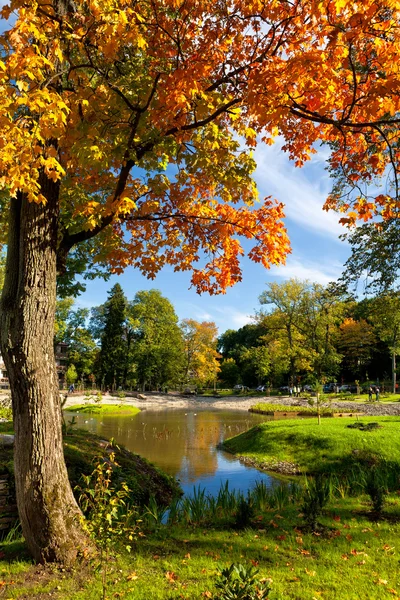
(238, 583)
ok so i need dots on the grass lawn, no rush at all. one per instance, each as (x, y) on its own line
(349, 557)
(352, 559)
(266, 408)
(104, 409)
(331, 446)
(383, 397)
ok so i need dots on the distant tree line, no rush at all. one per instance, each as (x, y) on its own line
(303, 332)
(137, 344)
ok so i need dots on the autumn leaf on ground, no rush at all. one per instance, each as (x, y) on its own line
(171, 576)
(255, 563)
(133, 576)
(355, 552)
(273, 524)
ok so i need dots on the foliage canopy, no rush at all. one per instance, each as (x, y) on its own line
(145, 114)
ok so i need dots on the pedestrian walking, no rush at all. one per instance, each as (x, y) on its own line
(370, 392)
(377, 390)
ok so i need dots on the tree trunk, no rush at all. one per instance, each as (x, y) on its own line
(394, 371)
(49, 514)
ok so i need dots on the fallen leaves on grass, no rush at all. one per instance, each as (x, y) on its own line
(171, 576)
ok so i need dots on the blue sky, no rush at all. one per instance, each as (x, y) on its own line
(317, 253)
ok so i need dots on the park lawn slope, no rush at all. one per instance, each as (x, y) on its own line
(329, 447)
(83, 450)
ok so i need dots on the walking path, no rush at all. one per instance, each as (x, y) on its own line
(153, 401)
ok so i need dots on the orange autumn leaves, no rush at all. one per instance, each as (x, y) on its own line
(146, 117)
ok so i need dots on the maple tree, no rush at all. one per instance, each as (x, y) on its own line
(127, 130)
(200, 350)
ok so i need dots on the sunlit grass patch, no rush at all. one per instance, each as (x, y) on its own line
(331, 446)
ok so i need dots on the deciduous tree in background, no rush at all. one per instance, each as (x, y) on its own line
(98, 99)
(356, 342)
(157, 349)
(200, 349)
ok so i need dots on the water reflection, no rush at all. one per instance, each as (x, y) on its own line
(183, 443)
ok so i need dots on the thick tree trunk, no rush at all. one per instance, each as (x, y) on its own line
(48, 512)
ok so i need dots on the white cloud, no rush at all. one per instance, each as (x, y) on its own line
(224, 316)
(305, 269)
(303, 197)
(233, 317)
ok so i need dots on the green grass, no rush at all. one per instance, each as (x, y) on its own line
(6, 427)
(103, 409)
(330, 446)
(351, 559)
(5, 413)
(383, 397)
(266, 408)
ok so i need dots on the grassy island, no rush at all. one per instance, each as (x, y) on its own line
(333, 446)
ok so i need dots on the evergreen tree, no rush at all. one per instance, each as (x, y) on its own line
(112, 356)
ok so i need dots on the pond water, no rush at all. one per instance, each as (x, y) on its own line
(183, 443)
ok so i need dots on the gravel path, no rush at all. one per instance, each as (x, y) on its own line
(152, 401)
(368, 408)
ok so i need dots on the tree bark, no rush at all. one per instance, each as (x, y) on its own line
(49, 514)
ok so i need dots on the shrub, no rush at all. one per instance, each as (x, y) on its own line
(238, 583)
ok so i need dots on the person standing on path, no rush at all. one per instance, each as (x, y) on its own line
(377, 390)
(370, 391)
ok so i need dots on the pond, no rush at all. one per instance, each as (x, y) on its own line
(183, 443)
